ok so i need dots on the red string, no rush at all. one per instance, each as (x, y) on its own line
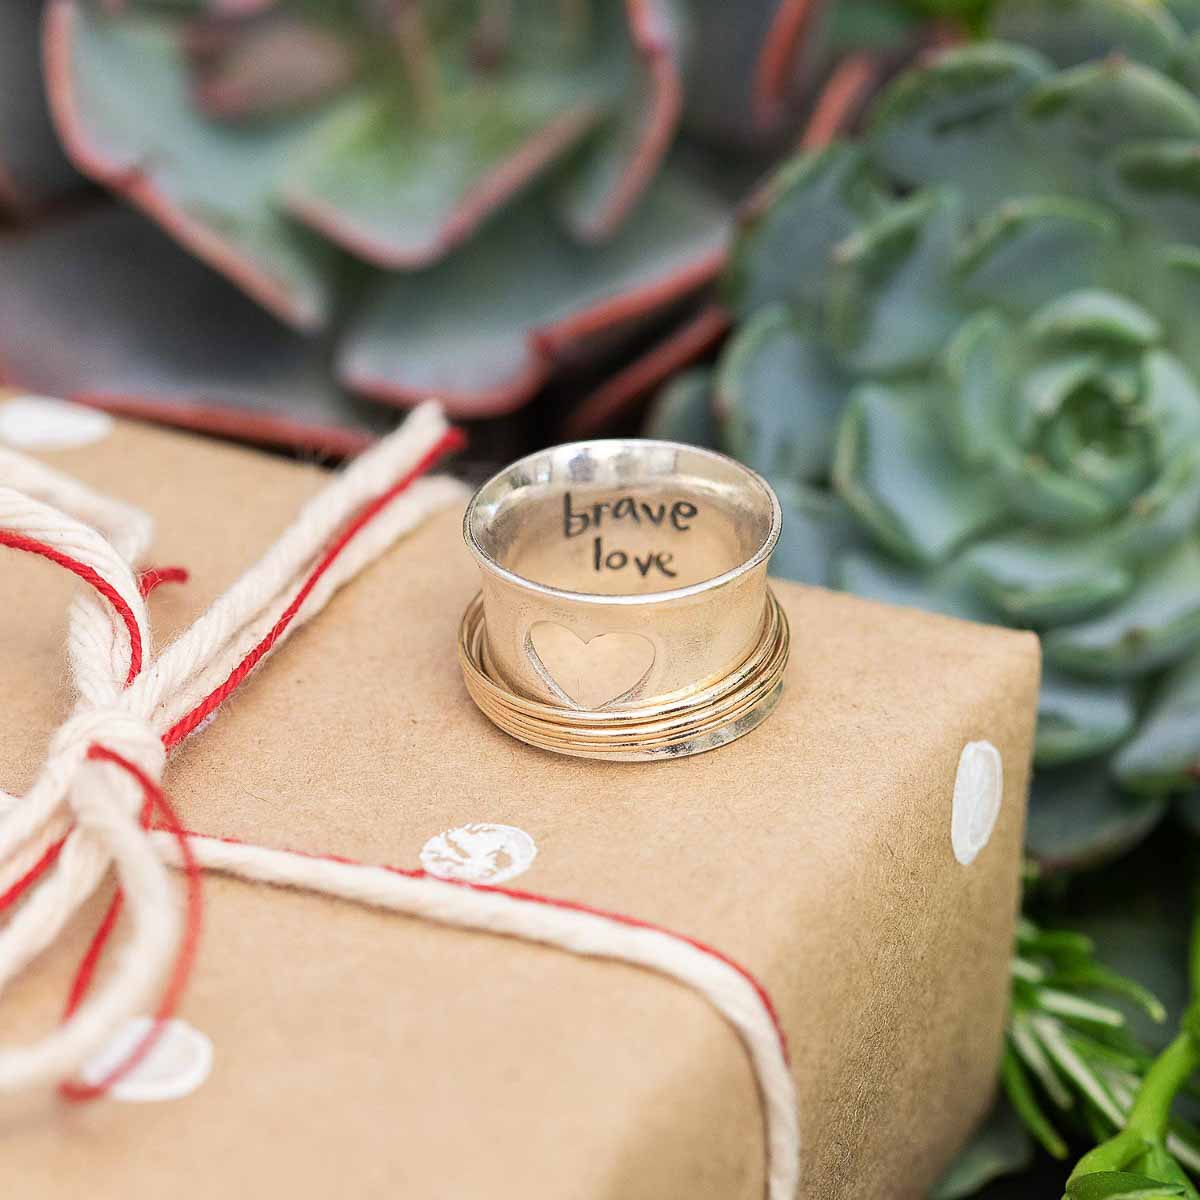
(155, 577)
(452, 440)
(31, 876)
(87, 968)
(147, 580)
(89, 576)
(536, 898)
(636, 923)
(154, 798)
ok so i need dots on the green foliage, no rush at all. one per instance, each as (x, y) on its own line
(977, 327)
(1069, 1049)
(1145, 1156)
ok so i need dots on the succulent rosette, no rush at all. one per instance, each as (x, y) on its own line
(456, 197)
(969, 355)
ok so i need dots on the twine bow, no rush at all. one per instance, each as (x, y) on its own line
(90, 806)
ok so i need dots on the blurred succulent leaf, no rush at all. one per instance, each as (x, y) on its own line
(892, 469)
(956, 120)
(1070, 32)
(891, 306)
(1164, 754)
(128, 120)
(1157, 184)
(1001, 1146)
(942, 589)
(808, 208)
(818, 529)
(1079, 818)
(723, 68)
(1049, 494)
(440, 331)
(398, 191)
(107, 307)
(1158, 622)
(750, 81)
(774, 358)
(981, 372)
(643, 48)
(1084, 114)
(1036, 579)
(1079, 719)
(1092, 315)
(1048, 385)
(684, 411)
(855, 23)
(1180, 279)
(1031, 250)
(1172, 400)
(1168, 510)
(1186, 12)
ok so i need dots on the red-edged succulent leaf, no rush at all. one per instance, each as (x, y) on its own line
(752, 81)
(842, 99)
(616, 171)
(442, 332)
(401, 193)
(744, 75)
(409, 171)
(616, 398)
(106, 308)
(120, 95)
(789, 39)
(33, 168)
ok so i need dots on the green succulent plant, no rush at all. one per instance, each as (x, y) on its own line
(968, 353)
(1149, 1153)
(451, 197)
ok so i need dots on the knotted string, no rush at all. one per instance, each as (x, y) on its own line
(90, 806)
(97, 804)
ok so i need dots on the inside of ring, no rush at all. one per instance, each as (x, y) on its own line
(622, 517)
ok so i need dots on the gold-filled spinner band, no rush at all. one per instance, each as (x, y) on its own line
(624, 612)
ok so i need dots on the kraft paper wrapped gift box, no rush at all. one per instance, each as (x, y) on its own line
(364, 1053)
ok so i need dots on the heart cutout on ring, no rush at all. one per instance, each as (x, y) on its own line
(592, 673)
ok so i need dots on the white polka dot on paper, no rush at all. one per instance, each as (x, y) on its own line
(978, 792)
(176, 1065)
(40, 423)
(479, 853)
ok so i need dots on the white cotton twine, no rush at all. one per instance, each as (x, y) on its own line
(96, 805)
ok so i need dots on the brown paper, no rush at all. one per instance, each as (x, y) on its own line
(365, 1054)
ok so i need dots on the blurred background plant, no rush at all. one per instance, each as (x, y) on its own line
(981, 396)
(365, 178)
